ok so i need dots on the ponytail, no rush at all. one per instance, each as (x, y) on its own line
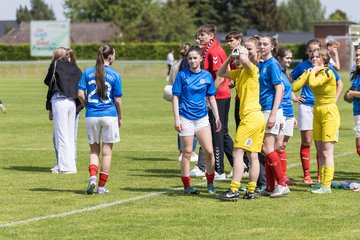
(103, 53)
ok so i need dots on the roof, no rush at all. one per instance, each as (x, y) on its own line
(79, 33)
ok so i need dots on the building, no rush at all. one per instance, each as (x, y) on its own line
(79, 33)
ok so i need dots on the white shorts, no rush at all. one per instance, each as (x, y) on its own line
(276, 128)
(305, 118)
(190, 127)
(288, 126)
(107, 127)
(357, 125)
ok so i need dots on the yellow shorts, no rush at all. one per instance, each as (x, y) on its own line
(326, 123)
(250, 133)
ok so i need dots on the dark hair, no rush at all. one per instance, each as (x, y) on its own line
(70, 55)
(184, 49)
(103, 53)
(281, 54)
(196, 49)
(234, 34)
(356, 72)
(312, 42)
(273, 41)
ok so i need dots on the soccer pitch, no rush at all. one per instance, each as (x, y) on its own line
(146, 199)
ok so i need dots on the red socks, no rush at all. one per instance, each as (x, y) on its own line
(186, 181)
(283, 160)
(275, 165)
(210, 178)
(93, 170)
(305, 159)
(270, 180)
(103, 179)
(358, 150)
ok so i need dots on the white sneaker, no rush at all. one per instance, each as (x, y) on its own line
(194, 157)
(180, 157)
(196, 172)
(220, 177)
(230, 175)
(280, 191)
(2, 108)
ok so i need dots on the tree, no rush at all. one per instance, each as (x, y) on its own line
(338, 15)
(300, 15)
(39, 10)
(266, 16)
(92, 10)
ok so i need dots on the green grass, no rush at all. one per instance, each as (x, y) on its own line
(145, 162)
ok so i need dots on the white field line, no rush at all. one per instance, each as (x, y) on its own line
(79, 150)
(106, 205)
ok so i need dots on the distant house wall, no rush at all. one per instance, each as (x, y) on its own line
(336, 29)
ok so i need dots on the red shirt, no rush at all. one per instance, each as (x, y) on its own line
(214, 56)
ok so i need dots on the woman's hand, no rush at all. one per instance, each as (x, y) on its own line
(271, 121)
(218, 125)
(51, 117)
(178, 127)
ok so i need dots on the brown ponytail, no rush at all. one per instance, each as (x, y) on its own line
(103, 53)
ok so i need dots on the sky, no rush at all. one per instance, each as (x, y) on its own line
(8, 8)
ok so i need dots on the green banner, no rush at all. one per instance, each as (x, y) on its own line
(46, 36)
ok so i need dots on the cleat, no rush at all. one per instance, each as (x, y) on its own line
(102, 190)
(289, 182)
(191, 190)
(356, 189)
(308, 180)
(280, 191)
(2, 107)
(322, 190)
(194, 157)
(211, 188)
(196, 172)
(249, 196)
(91, 186)
(315, 185)
(260, 189)
(220, 177)
(265, 193)
(229, 195)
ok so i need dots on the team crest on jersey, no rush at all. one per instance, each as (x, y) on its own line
(215, 60)
(265, 70)
(202, 81)
(248, 142)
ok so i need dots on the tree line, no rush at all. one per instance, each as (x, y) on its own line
(177, 20)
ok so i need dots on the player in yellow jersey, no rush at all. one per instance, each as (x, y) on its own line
(250, 132)
(326, 120)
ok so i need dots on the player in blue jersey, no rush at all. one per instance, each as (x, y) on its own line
(305, 109)
(100, 91)
(354, 95)
(284, 56)
(191, 90)
(271, 93)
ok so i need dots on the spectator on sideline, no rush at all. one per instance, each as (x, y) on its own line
(305, 109)
(271, 94)
(213, 57)
(170, 61)
(353, 95)
(250, 133)
(180, 65)
(2, 107)
(100, 91)
(62, 105)
(326, 120)
(333, 46)
(284, 57)
(191, 88)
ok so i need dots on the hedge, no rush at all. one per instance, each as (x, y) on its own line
(128, 51)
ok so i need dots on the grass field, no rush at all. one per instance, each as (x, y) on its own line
(146, 201)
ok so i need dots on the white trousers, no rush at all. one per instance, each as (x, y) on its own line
(64, 111)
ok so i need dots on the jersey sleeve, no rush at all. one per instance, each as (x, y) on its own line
(176, 89)
(275, 74)
(320, 78)
(118, 87)
(234, 74)
(82, 81)
(300, 82)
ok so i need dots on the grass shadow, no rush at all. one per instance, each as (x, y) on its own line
(155, 159)
(161, 173)
(80, 192)
(28, 168)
